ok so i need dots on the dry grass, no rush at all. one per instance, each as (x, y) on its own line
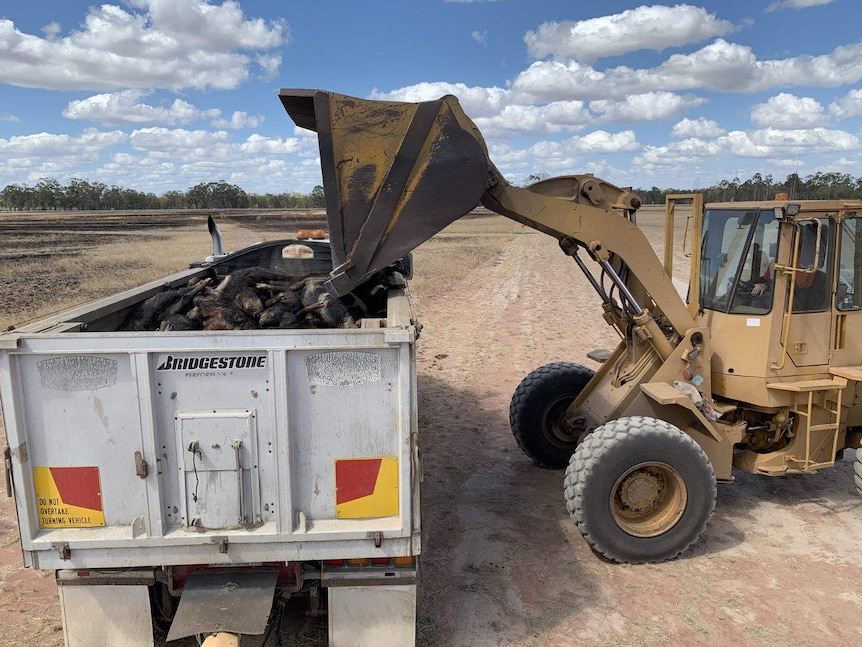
(31, 289)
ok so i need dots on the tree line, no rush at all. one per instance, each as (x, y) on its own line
(79, 194)
(48, 194)
(819, 186)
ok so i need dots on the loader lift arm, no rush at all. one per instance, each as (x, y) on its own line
(397, 173)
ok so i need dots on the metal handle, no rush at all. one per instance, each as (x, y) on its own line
(237, 445)
(7, 471)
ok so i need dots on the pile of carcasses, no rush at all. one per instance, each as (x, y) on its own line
(248, 299)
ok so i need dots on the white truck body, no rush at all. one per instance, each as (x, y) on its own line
(150, 451)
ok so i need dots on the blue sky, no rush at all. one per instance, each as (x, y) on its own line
(162, 94)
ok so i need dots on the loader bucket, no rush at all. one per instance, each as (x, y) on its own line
(394, 174)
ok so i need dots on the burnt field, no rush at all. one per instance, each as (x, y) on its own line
(502, 563)
(52, 260)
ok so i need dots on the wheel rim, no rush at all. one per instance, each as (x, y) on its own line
(553, 423)
(648, 499)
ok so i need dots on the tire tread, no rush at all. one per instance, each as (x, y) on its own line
(588, 458)
(521, 402)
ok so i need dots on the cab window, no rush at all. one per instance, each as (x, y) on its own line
(738, 252)
(814, 265)
(848, 295)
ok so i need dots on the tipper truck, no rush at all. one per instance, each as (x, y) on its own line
(186, 483)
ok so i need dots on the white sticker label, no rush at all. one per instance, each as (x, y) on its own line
(752, 323)
(343, 368)
(77, 373)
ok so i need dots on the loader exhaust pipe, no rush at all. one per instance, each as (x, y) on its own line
(218, 248)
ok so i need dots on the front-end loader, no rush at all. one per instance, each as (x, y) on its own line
(759, 368)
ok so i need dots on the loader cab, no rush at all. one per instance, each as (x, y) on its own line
(779, 286)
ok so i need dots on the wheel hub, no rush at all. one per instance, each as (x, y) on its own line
(640, 491)
(648, 499)
(557, 428)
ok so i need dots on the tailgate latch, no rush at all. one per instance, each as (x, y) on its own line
(142, 469)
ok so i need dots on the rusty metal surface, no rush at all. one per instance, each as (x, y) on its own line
(394, 174)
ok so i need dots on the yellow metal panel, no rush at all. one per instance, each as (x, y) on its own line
(55, 504)
(382, 502)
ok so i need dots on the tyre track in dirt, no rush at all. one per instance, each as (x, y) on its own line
(497, 530)
(503, 564)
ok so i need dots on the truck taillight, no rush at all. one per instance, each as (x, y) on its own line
(333, 562)
(311, 234)
(358, 561)
(404, 561)
(381, 561)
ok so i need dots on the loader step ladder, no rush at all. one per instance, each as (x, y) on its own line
(804, 406)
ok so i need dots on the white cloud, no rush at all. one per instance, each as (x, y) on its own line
(155, 44)
(850, 105)
(602, 142)
(480, 37)
(772, 142)
(697, 128)
(561, 157)
(688, 151)
(270, 145)
(721, 66)
(796, 4)
(476, 101)
(650, 106)
(239, 119)
(184, 158)
(269, 64)
(560, 116)
(788, 111)
(51, 30)
(9, 117)
(655, 27)
(211, 27)
(175, 139)
(125, 108)
(87, 146)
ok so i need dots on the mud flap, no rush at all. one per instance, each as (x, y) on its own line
(230, 602)
(383, 616)
(106, 615)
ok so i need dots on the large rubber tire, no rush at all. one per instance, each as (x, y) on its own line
(537, 409)
(857, 470)
(649, 461)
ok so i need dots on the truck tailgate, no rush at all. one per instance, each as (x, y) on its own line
(137, 449)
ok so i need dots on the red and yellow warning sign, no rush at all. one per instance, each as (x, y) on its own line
(366, 487)
(68, 497)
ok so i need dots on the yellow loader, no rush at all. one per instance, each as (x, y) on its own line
(759, 368)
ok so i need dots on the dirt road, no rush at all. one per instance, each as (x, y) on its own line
(502, 563)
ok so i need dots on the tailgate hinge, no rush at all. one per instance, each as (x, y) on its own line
(377, 536)
(7, 469)
(63, 551)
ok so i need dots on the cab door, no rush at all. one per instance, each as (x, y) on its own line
(810, 338)
(847, 326)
